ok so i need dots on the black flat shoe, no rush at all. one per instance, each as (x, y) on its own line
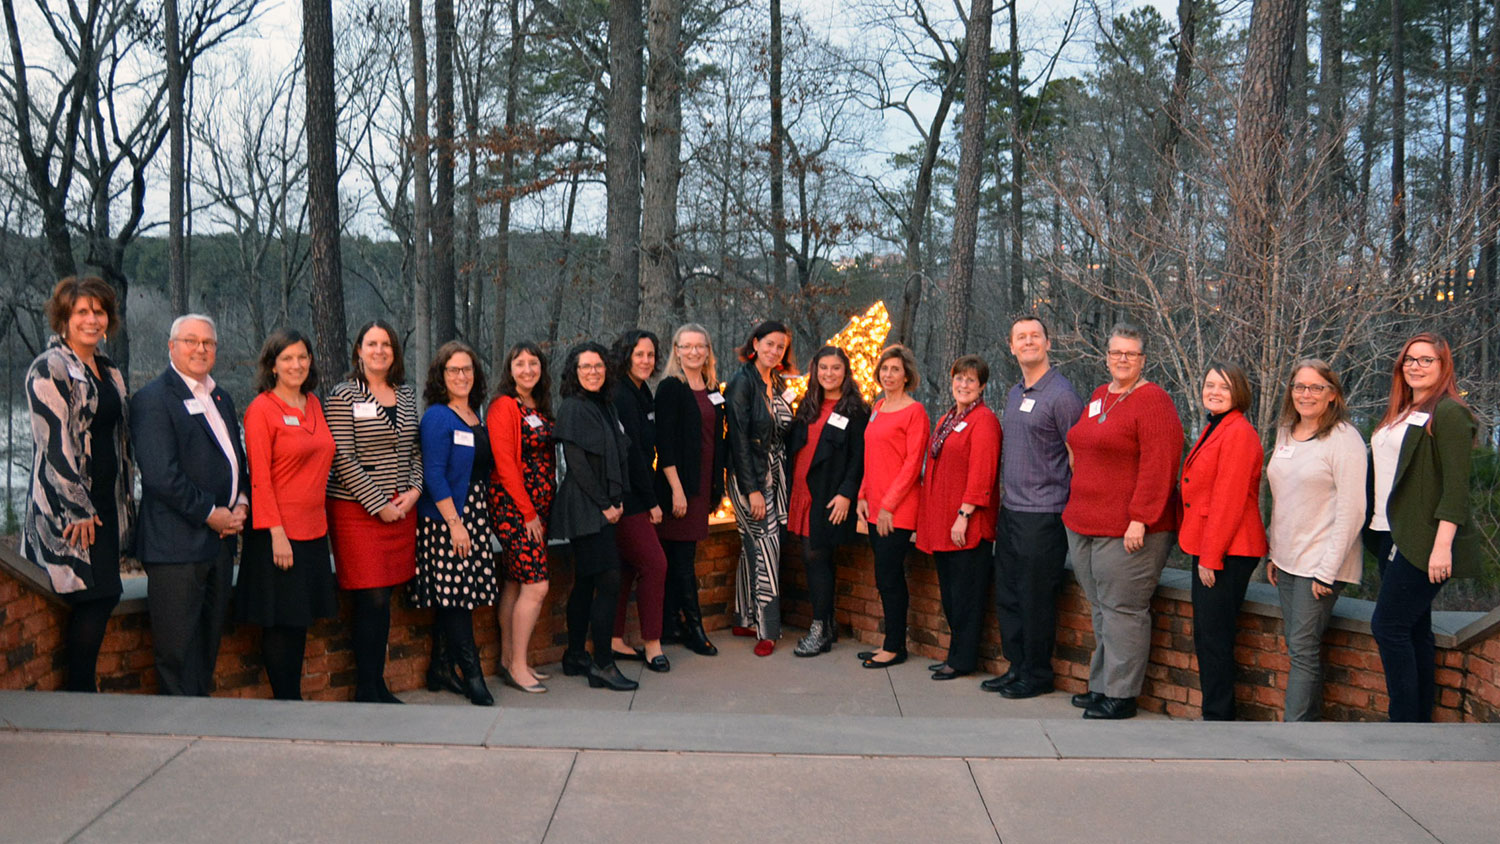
(509, 679)
(864, 655)
(1083, 700)
(1023, 688)
(937, 666)
(995, 684)
(637, 655)
(870, 662)
(659, 664)
(1111, 709)
(948, 672)
(610, 677)
(576, 663)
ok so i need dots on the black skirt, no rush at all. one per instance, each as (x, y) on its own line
(104, 558)
(296, 597)
(595, 553)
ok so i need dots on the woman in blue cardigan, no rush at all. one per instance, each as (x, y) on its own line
(455, 566)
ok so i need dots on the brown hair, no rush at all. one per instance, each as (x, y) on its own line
(974, 364)
(788, 365)
(1402, 399)
(1239, 384)
(908, 363)
(1337, 411)
(397, 374)
(65, 297)
(436, 389)
(278, 342)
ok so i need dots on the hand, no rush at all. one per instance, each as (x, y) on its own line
(613, 514)
(1206, 576)
(1320, 591)
(862, 509)
(1440, 563)
(407, 501)
(281, 548)
(535, 530)
(222, 521)
(885, 522)
(1135, 537)
(655, 515)
(838, 510)
(81, 534)
(959, 530)
(1271, 577)
(679, 504)
(757, 505)
(462, 545)
(391, 512)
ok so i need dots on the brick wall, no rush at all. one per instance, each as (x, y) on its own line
(1468, 678)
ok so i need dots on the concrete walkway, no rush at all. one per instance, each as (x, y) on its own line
(724, 749)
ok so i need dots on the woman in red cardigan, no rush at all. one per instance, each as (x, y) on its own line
(1221, 527)
(956, 509)
(1120, 517)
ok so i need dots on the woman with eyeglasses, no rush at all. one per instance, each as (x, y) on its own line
(1121, 517)
(1317, 478)
(1421, 531)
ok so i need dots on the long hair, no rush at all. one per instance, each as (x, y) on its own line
(278, 342)
(1337, 411)
(541, 394)
(788, 365)
(570, 385)
(850, 403)
(1403, 400)
(674, 362)
(624, 347)
(899, 352)
(436, 390)
(397, 374)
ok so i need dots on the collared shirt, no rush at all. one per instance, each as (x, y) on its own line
(1034, 463)
(203, 391)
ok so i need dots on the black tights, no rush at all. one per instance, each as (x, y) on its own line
(456, 626)
(818, 563)
(591, 609)
(282, 648)
(85, 634)
(372, 629)
(680, 602)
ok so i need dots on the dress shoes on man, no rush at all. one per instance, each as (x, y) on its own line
(610, 677)
(1024, 687)
(1083, 700)
(995, 684)
(937, 666)
(1111, 709)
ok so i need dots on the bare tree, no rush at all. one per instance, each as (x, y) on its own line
(325, 228)
(661, 280)
(970, 165)
(444, 275)
(622, 164)
(423, 302)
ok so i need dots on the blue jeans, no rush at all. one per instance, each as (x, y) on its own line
(1402, 626)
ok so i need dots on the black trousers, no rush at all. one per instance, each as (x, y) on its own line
(890, 579)
(1402, 627)
(188, 604)
(1030, 553)
(1216, 610)
(963, 577)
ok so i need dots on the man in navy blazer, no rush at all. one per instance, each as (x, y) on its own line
(194, 497)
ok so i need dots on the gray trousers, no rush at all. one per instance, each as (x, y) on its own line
(1304, 620)
(188, 604)
(1119, 586)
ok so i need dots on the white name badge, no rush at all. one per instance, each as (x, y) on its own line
(651, 417)
(960, 426)
(534, 421)
(621, 424)
(873, 414)
(788, 395)
(1285, 451)
(365, 410)
(1094, 407)
(76, 373)
(1027, 405)
(715, 399)
(193, 406)
(1418, 418)
(838, 420)
(291, 420)
(465, 438)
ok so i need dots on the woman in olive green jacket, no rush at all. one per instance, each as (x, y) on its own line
(1421, 531)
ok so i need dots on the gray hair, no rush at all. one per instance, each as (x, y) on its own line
(177, 323)
(1126, 331)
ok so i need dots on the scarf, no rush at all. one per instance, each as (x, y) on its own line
(951, 420)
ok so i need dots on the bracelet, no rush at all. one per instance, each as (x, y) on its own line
(963, 514)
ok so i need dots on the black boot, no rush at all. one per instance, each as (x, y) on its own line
(610, 677)
(575, 663)
(440, 673)
(693, 635)
(473, 683)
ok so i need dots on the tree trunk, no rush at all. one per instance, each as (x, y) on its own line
(444, 277)
(778, 164)
(1489, 217)
(904, 329)
(1017, 154)
(507, 181)
(176, 165)
(661, 280)
(970, 166)
(1398, 140)
(327, 286)
(1335, 180)
(554, 319)
(421, 347)
(622, 167)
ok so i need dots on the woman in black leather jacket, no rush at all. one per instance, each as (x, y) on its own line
(758, 415)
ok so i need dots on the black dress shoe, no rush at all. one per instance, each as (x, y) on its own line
(864, 655)
(1111, 709)
(575, 663)
(937, 666)
(636, 655)
(871, 662)
(659, 664)
(1022, 688)
(1083, 700)
(948, 672)
(610, 677)
(995, 684)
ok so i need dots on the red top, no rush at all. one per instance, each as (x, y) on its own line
(799, 508)
(895, 444)
(966, 472)
(1126, 450)
(1221, 495)
(504, 422)
(290, 452)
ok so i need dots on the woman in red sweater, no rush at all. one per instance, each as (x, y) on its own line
(895, 442)
(956, 508)
(285, 580)
(1222, 529)
(1120, 517)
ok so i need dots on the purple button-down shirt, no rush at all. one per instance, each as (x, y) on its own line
(1034, 462)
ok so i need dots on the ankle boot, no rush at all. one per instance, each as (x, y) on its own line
(818, 640)
(575, 663)
(440, 673)
(610, 677)
(474, 688)
(693, 635)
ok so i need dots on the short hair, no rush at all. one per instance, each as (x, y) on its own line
(278, 342)
(710, 366)
(177, 323)
(436, 389)
(624, 348)
(570, 384)
(1239, 384)
(972, 364)
(1126, 331)
(1046, 335)
(770, 326)
(1337, 410)
(908, 360)
(397, 374)
(542, 392)
(67, 292)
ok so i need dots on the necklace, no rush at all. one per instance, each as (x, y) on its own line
(1104, 414)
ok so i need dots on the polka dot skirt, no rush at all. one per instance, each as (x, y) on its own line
(443, 578)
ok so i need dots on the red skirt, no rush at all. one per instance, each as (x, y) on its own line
(369, 553)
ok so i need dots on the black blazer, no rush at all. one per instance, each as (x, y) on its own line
(679, 430)
(184, 473)
(838, 467)
(751, 427)
(637, 412)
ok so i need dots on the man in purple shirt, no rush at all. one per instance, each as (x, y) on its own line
(1032, 545)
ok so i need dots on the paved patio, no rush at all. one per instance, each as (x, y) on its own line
(728, 749)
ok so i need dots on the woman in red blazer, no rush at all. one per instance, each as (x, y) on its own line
(1221, 527)
(956, 507)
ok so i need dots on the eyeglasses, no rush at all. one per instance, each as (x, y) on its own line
(1114, 355)
(695, 347)
(1310, 389)
(590, 367)
(965, 379)
(1421, 363)
(459, 370)
(194, 342)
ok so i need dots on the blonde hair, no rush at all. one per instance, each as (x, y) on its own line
(710, 366)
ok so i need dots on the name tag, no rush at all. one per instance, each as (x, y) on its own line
(76, 373)
(464, 438)
(651, 417)
(1027, 405)
(1418, 418)
(621, 424)
(291, 420)
(960, 426)
(1094, 407)
(534, 421)
(1285, 451)
(365, 410)
(788, 395)
(838, 420)
(873, 414)
(193, 406)
(715, 399)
